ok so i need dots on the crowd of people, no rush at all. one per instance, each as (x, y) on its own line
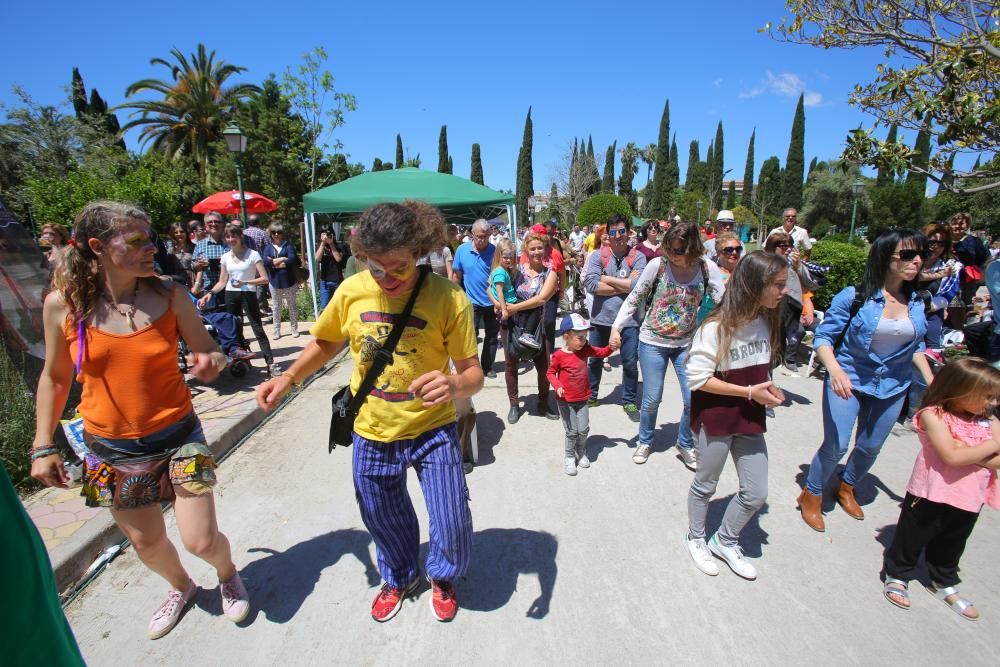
(675, 294)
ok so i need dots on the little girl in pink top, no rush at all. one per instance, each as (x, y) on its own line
(954, 475)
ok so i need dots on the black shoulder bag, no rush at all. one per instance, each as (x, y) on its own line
(346, 405)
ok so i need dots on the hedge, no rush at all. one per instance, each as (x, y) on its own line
(600, 208)
(846, 262)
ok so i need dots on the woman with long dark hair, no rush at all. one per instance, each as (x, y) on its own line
(940, 277)
(869, 367)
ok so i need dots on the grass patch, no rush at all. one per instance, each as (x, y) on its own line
(17, 427)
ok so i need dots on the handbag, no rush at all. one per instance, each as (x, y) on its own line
(347, 405)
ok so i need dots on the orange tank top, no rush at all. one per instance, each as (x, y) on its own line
(132, 386)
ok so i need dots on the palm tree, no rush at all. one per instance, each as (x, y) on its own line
(648, 155)
(195, 107)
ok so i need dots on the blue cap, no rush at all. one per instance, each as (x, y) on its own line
(573, 322)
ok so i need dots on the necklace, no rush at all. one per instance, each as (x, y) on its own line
(129, 312)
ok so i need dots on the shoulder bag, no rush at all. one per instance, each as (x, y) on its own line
(346, 405)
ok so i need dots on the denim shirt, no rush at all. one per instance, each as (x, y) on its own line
(869, 373)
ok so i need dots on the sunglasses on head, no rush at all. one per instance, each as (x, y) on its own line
(732, 250)
(910, 254)
(617, 232)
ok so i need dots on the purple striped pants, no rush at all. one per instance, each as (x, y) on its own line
(387, 511)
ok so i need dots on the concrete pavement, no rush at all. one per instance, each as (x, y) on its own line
(566, 570)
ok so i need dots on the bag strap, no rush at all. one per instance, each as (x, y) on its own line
(384, 355)
(855, 307)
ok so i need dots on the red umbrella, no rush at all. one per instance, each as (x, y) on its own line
(228, 203)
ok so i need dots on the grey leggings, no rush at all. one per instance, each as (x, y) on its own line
(749, 453)
(576, 423)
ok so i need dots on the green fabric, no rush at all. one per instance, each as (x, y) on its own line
(36, 629)
(441, 190)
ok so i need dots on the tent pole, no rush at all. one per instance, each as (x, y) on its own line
(311, 245)
(512, 222)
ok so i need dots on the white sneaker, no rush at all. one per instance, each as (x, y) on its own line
(570, 468)
(276, 334)
(688, 457)
(641, 453)
(698, 551)
(581, 458)
(166, 617)
(733, 557)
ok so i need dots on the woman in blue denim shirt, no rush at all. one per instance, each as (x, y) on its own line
(869, 373)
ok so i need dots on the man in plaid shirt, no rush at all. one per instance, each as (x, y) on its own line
(207, 253)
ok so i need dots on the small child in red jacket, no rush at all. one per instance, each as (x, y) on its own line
(568, 376)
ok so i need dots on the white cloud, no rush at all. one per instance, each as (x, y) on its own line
(717, 83)
(785, 84)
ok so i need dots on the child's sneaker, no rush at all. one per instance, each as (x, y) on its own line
(389, 600)
(570, 468)
(166, 617)
(528, 340)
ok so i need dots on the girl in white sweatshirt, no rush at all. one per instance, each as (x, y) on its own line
(729, 370)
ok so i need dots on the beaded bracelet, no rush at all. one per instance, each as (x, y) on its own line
(43, 452)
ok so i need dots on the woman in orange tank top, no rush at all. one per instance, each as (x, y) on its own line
(117, 324)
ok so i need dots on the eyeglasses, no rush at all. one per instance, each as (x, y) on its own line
(508, 255)
(784, 246)
(677, 251)
(910, 254)
(791, 217)
(617, 232)
(379, 272)
(936, 243)
(732, 250)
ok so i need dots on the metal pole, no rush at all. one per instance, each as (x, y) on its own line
(239, 181)
(854, 212)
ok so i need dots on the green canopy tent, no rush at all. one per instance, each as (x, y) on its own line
(459, 199)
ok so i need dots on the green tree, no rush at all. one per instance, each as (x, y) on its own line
(939, 70)
(767, 192)
(377, 164)
(829, 198)
(718, 161)
(812, 166)
(659, 194)
(443, 150)
(599, 208)
(674, 176)
(630, 155)
(686, 204)
(595, 174)
(310, 90)
(694, 157)
(885, 173)
(451, 166)
(747, 197)
(476, 174)
(399, 152)
(525, 177)
(554, 208)
(193, 109)
(648, 156)
(731, 195)
(983, 206)
(796, 160)
(78, 93)
(608, 179)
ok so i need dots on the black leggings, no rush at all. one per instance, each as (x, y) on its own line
(238, 303)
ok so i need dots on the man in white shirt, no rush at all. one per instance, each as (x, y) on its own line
(800, 237)
(576, 238)
(724, 222)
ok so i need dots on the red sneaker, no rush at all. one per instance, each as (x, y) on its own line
(444, 604)
(389, 600)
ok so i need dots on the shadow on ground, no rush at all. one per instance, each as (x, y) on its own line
(280, 582)
(752, 537)
(499, 557)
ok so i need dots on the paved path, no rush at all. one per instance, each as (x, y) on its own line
(76, 534)
(587, 570)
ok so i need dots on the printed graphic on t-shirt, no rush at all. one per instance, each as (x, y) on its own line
(754, 348)
(674, 313)
(392, 385)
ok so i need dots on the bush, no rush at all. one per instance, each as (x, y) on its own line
(846, 262)
(600, 208)
(17, 428)
(304, 304)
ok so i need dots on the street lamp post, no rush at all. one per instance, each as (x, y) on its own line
(856, 189)
(236, 142)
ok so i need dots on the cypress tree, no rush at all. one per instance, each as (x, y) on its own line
(451, 166)
(812, 167)
(377, 164)
(593, 176)
(718, 162)
(674, 181)
(79, 94)
(795, 162)
(917, 182)
(554, 201)
(443, 150)
(608, 179)
(630, 155)
(659, 192)
(769, 187)
(694, 157)
(731, 196)
(525, 177)
(886, 175)
(476, 174)
(399, 151)
(710, 188)
(747, 198)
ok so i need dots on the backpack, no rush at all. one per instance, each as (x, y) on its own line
(630, 258)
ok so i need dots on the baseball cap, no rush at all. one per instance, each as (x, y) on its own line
(573, 322)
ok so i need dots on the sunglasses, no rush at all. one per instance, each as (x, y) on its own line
(677, 251)
(936, 243)
(617, 232)
(783, 246)
(379, 272)
(734, 250)
(508, 255)
(910, 254)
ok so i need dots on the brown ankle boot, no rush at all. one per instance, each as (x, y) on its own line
(845, 498)
(812, 510)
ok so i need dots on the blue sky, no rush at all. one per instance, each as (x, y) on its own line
(586, 68)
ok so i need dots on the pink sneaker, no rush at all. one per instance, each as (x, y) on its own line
(166, 617)
(235, 600)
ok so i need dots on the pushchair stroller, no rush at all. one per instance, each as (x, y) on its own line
(226, 330)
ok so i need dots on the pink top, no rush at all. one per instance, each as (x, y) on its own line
(965, 487)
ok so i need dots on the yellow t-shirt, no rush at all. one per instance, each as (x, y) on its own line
(590, 243)
(440, 329)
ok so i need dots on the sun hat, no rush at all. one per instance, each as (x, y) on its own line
(725, 216)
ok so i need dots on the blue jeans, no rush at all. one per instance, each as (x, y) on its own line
(599, 337)
(654, 361)
(874, 417)
(326, 290)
